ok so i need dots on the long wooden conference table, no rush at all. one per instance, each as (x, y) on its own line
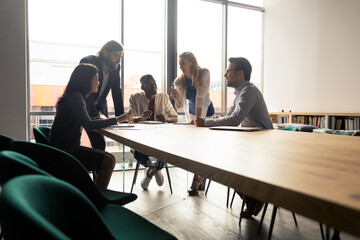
(315, 175)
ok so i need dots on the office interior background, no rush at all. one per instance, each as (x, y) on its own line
(305, 53)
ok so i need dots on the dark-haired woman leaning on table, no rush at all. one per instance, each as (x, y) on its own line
(71, 117)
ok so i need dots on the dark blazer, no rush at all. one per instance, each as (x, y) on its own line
(96, 103)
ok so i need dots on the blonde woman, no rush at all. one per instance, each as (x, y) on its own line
(191, 89)
(191, 94)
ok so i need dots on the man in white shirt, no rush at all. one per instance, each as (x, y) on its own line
(150, 105)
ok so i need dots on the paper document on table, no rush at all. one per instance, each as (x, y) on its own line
(182, 123)
(122, 125)
(233, 128)
(150, 122)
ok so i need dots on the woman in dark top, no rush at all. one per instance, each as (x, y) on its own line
(71, 117)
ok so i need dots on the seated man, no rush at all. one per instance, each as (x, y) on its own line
(150, 105)
(248, 109)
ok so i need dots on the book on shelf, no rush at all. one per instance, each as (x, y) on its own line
(339, 123)
(332, 124)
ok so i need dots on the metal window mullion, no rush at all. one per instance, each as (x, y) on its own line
(171, 43)
(27, 72)
(122, 74)
(224, 53)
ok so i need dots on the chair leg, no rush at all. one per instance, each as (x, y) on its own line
(242, 209)
(168, 175)
(273, 216)
(227, 197)
(262, 217)
(94, 177)
(322, 231)
(336, 235)
(232, 199)
(135, 176)
(207, 188)
(294, 217)
(327, 232)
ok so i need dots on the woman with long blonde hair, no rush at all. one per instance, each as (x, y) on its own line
(191, 89)
(191, 94)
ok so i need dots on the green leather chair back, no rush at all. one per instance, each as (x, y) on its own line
(5, 142)
(42, 134)
(13, 164)
(43, 207)
(64, 166)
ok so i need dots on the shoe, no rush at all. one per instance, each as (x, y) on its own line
(193, 192)
(146, 180)
(159, 178)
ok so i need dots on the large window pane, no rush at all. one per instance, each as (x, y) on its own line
(245, 40)
(60, 34)
(200, 32)
(144, 43)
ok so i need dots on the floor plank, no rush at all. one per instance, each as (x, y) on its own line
(207, 217)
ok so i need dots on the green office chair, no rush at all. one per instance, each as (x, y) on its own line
(4, 142)
(42, 207)
(64, 166)
(13, 164)
(42, 135)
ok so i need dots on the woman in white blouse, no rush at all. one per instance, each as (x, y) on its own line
(191, 94)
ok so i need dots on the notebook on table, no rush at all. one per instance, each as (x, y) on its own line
(233, 128)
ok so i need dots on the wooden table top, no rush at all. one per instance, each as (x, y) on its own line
(316, 175)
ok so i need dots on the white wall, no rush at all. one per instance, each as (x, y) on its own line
(312, 55)
(13, 120)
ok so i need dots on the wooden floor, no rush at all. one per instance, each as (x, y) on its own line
(207, 217)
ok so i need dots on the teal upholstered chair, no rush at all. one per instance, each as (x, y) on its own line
(42, 207)
(5, 142)
(13, 164)
(42, 134)
(66, 167)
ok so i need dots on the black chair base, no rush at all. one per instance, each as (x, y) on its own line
(136, 173)
(228, 193)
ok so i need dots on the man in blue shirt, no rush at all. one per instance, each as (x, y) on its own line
(248, 110)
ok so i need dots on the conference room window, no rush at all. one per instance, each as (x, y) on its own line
(60, 34)
(206, 35)
(245, 40)
(144, 44)
(200, 32)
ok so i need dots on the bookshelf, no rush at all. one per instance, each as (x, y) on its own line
(336, 121)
